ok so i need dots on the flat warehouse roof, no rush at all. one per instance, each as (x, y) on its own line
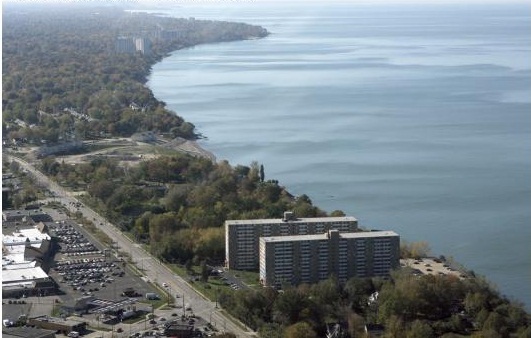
(23, 275)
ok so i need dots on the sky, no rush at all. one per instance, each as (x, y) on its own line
(195, 2)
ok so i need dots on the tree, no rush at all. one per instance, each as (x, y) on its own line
(300, 330)
(289, 305)
(358, 291)
(495, 322)
(525, 332)
(270, 330)
(356, 324)
(414, 250)
(188, 265)
(419, 329)
(262, 175)
(337, 213)
(204, 272)
(394, 328)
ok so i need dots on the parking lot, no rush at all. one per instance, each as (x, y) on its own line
(430, 266)
(84, 268)
(87, 271)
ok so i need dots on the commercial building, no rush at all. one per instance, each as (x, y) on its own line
(178, 330)
(242, 237)
(312, 258)
(61, 325)
(21, 215)
(27, 332)
(22, 255)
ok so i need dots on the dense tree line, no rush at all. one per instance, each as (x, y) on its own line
(407, 306)
(178, 204)
(64, 56)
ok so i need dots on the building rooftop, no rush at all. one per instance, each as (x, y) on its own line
(22, 275)
(63, 321)
(11, 264)
(348, 235)
(19, 238)
(296, 220)
(14, 246)
(26, 332)
(21, 213)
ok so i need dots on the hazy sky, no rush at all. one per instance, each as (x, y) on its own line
(233, 2)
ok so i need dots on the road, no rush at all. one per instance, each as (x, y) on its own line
(158, 272)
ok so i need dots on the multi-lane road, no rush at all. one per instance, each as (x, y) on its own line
(152, 267)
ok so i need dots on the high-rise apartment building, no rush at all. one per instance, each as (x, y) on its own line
(312, 258)
(242, 237)
(124, 45)
(130, 45)
(143, 45)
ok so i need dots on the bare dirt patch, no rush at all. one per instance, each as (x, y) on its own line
(130, 152)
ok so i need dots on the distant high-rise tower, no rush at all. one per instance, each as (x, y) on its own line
(143, 45)
(132, 45)
(124, 45)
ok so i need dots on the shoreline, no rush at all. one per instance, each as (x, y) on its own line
(191, 147)
(469, 264)
(188, 146)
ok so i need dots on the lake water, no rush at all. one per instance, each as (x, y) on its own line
(415, 119)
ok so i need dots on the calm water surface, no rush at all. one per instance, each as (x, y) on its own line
(415, 119)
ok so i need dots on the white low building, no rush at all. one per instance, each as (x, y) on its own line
(21, 273)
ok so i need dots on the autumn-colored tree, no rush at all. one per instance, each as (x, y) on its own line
(300, 330)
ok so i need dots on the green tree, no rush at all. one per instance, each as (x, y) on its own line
(288, 306)
(394, 328)
(356, 324)
(358, 291)
(271, 330)
(300, 330)
(419, 329)
(495, 322)
(337, 213)
(205, 271)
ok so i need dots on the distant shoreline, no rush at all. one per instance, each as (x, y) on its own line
(191, 147)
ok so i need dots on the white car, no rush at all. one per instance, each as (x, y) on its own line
(165, 285)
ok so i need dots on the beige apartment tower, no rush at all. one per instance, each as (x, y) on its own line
(242, 237)
(293, 260)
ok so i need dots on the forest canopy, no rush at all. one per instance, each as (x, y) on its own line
(65, 76)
